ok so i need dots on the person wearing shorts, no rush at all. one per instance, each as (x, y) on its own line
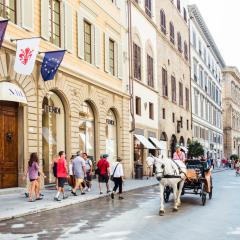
(89, 166)
(104, 168)
(61, 175)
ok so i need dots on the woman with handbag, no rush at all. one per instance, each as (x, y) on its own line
(117, 178)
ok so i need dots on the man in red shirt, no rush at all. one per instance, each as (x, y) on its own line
(61, 175)
(104, 168)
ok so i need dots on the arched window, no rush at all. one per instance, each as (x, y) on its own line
(179, 38)
(179, 5)
(172, 33)
(87, 129)
(186, 50)
(185, 14)
(163, 21)
(137, 57)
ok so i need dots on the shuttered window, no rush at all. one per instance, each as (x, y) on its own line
(137, 61)
(172, 33)
(148, 7)
(8, 10)
(186, 51)
(179, 38)
(151, 111)
(111, 57)
(87, 42)
(55, 27)
(179, 5)
(180, 94)
(150, 71)
(164, 83)
(173, 83)
(163, 21)
(187, 98)
(138, 105)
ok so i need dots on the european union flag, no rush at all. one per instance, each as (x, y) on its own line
(51, 63)
(3, 26)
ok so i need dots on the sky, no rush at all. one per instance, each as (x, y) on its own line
(222, 18)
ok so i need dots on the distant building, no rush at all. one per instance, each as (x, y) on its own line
(231, 111)
(206, 80)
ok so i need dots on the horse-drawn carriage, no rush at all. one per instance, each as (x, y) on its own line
(198, 181)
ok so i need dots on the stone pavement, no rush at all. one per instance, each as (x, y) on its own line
(14, 204)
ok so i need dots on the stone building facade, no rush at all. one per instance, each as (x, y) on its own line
(231, 111)
(173, 74)
(206, 80)
(86, 106)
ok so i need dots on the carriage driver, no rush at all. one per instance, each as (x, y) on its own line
(179, 155)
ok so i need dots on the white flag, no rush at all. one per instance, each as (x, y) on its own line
(27, 50)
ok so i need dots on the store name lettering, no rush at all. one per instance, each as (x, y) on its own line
(16, 92)
(110, 122)
(52, 109)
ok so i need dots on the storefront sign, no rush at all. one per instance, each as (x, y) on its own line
(11, 92)
(52, 109)
(110, 122)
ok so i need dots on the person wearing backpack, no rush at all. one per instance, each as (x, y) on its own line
(89, 169)
(117, 177)
(104, 172)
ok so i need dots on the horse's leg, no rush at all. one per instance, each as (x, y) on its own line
(161, 210)
(181, 183)
(174, 186)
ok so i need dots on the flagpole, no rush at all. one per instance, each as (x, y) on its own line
(61, 50)
(16, 39)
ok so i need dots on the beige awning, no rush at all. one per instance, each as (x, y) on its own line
(146, 143)
(159, 144)
(11, 92)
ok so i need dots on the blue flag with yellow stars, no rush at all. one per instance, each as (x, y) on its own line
(51, 63)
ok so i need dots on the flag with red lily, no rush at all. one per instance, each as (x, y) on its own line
(27, 50)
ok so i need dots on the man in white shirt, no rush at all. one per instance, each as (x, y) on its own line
(117, 173)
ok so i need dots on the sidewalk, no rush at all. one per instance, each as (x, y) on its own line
(14, 204)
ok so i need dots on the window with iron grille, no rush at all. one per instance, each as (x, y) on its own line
(173, 85)
(148, 7)
(187, 98)
(138, 105)
(164, 82)
(151, 111)
(179, 5)
(8, 10)
(111, 57)
(163, 113)
(179, 37)
(150, 71)
(163, 21)
(55, 26)
(137, 62)
(172, 33)
(180, 94)
(87, 42)
(186, 50)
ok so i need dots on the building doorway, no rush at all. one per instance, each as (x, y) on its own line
(9, 144)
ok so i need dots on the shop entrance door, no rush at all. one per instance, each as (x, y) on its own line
(8, 145)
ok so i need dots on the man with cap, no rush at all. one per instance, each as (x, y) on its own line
(104, 168)
(179, 155)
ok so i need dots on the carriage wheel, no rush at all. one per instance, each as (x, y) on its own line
(166, 194)
(211, 191)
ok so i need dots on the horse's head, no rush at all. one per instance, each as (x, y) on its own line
(160, 167)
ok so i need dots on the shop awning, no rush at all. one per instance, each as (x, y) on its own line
(11, 92)
(159, 144)
(147, 144)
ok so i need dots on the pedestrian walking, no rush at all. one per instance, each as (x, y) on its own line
(61, 175)
(71, 179)
(79, 171)
(32, 172)
(104, 172)
(89, 168)
(117, 175)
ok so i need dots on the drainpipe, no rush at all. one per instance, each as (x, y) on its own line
(131, 90)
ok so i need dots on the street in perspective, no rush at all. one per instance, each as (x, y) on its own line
(119, 119)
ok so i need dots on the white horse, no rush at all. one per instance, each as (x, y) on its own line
(169, 173)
